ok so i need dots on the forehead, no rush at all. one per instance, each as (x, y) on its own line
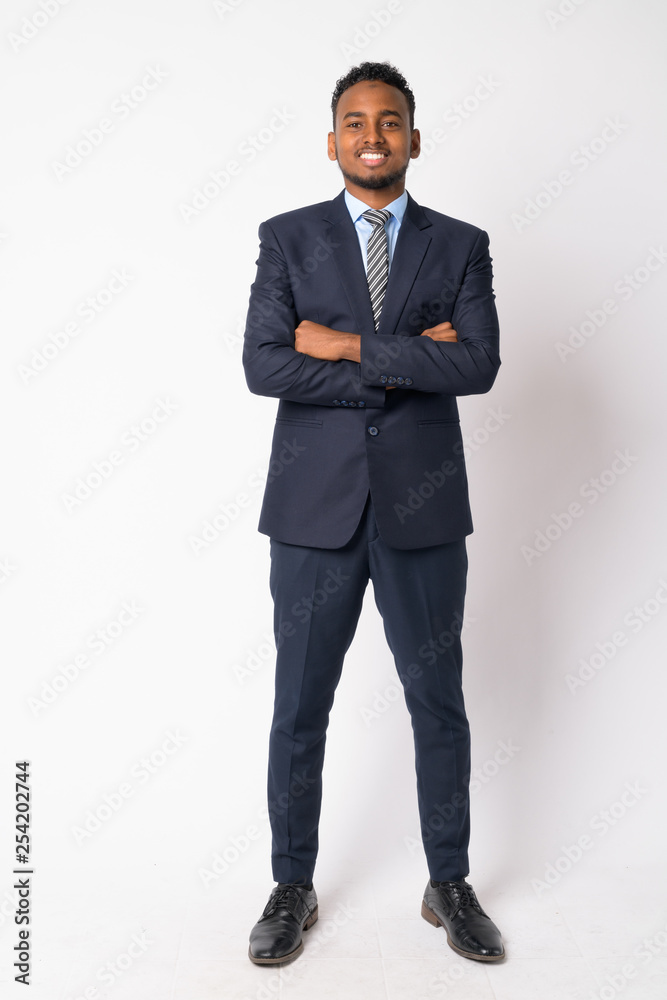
(371, 96)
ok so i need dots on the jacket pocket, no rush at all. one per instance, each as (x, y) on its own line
(438, 423)
(299, 421)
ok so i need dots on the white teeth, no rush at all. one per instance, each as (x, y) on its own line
(372, 156)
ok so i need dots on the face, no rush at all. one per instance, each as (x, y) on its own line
(373, 141)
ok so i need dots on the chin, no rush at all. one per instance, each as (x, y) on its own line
(376, 183)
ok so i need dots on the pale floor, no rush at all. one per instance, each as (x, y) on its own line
(167, 938)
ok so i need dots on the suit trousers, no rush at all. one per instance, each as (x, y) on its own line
(318, 595)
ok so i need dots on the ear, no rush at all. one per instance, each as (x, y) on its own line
(331, 146)
(415, 144)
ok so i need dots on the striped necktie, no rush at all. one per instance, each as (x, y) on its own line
(377, 259)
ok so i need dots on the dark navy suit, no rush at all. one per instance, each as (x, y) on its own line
(366, 483)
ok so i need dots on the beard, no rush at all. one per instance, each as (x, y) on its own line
(374, 183)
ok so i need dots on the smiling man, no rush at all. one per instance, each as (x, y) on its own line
(369, 315)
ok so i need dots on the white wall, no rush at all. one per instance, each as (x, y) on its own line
(536, 100)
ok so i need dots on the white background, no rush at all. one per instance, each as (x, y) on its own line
(535, 92)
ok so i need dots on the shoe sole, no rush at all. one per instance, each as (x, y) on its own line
(433, 919)
(293, 954)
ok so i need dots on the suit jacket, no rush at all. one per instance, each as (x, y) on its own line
(339, 433)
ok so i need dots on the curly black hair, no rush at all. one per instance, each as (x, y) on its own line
(368, 71)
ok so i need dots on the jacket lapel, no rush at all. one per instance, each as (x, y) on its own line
(411, 245)
(349, 263)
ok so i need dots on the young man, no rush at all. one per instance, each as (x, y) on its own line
(369, 315)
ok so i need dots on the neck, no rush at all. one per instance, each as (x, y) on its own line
(376, 198)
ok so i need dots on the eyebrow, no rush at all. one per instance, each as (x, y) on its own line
(362, 114)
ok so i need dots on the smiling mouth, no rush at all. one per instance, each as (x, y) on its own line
(371, 157)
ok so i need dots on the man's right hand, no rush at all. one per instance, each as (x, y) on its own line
(443, 331)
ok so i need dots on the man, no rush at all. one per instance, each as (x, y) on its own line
(368, 316)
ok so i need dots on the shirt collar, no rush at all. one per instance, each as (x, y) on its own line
(356, 207)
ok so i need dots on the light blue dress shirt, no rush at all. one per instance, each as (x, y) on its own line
(364, 228)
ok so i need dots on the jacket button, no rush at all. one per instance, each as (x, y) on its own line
(373, 431)
(408, 381)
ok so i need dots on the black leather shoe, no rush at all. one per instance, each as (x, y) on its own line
(276, 937)
(470, 931)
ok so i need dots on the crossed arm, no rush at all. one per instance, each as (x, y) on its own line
(331, 345)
